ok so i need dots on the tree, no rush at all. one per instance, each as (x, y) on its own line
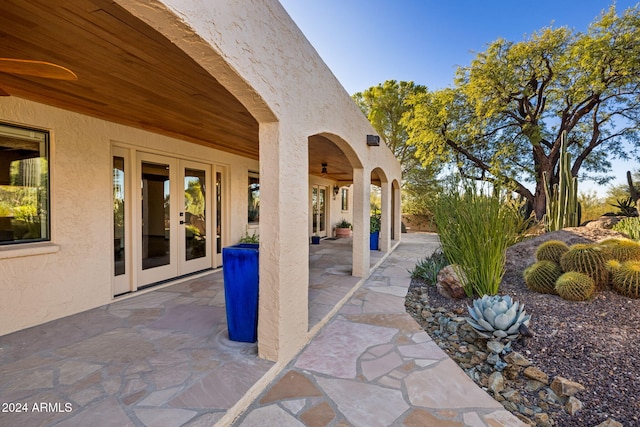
(503, 119)
(385, 105)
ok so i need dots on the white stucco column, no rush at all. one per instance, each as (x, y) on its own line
(361, 208)
(385, 220)
(397, 211)
(284, 242)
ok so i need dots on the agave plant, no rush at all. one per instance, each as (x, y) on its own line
(497, 316)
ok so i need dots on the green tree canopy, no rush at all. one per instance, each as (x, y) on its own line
(502, 120)
(385, 105)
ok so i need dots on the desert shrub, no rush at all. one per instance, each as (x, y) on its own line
(476, 227)
(427, 269)
(629, 226)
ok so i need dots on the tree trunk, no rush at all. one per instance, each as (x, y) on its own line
(540, 201)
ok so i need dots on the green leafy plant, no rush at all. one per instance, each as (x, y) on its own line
(497, 316)
(626, 207)
(254, 238)
(541, 277)
(476, 227)
(629, 226)
(427, 269)
(343, 224)
(574, 286)
(374, 223)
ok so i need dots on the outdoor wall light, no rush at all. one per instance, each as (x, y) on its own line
(373, 140)
(336, 190)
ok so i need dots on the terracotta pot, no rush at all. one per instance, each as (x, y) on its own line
(343, 232)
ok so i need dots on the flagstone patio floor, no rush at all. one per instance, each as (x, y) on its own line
(163, 359)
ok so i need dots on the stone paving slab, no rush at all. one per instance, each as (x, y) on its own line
(372, 365)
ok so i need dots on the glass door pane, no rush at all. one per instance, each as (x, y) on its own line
(322, 210)
(156, 215)
(314, 210)
(195, 214)
(119, 215)
(219, 213)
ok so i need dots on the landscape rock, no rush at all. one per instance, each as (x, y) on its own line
(496, 382)
(572, 406)
(606, 222)
(517, 359)
(536, 374)
(564, 387)
(609, 423)
(449, 284)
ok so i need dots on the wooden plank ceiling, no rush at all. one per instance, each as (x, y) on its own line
(132, 75)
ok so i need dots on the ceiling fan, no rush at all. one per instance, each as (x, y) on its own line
(26, 67)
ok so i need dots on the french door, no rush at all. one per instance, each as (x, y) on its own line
(319, 210)
(169, 210)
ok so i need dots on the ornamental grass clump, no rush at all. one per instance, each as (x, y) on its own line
(476, 227)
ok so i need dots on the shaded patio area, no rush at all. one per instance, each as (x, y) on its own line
(160, 358)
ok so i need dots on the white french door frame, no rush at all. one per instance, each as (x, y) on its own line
(135, 276)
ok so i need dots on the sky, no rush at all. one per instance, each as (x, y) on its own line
(365, 42)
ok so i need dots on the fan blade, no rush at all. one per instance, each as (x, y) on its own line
(36, 68)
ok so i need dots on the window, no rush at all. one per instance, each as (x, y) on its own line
(254, 198)
(345, 199)
(24, 185)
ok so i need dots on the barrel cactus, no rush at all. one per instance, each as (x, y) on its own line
(551, 250)
(575, 286)
(626, 279)
(541, 277)
(589, 260)
(497, 316)
(621, 249)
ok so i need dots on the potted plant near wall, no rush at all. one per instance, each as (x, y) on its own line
(240, 272)
(374, 229)
(343, 228)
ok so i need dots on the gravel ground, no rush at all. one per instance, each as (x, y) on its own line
(595, 343)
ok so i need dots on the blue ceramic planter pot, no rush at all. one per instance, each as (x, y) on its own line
(373, 240)
(240, 271)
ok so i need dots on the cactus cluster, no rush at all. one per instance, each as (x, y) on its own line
(563, 209)
(575, 286)
(589, 260)
(576, 272)
(621, 249)
(541, 277)
(551, 250)
(626, 279)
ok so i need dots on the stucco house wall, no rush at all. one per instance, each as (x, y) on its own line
(258, 54)
(73, 272)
